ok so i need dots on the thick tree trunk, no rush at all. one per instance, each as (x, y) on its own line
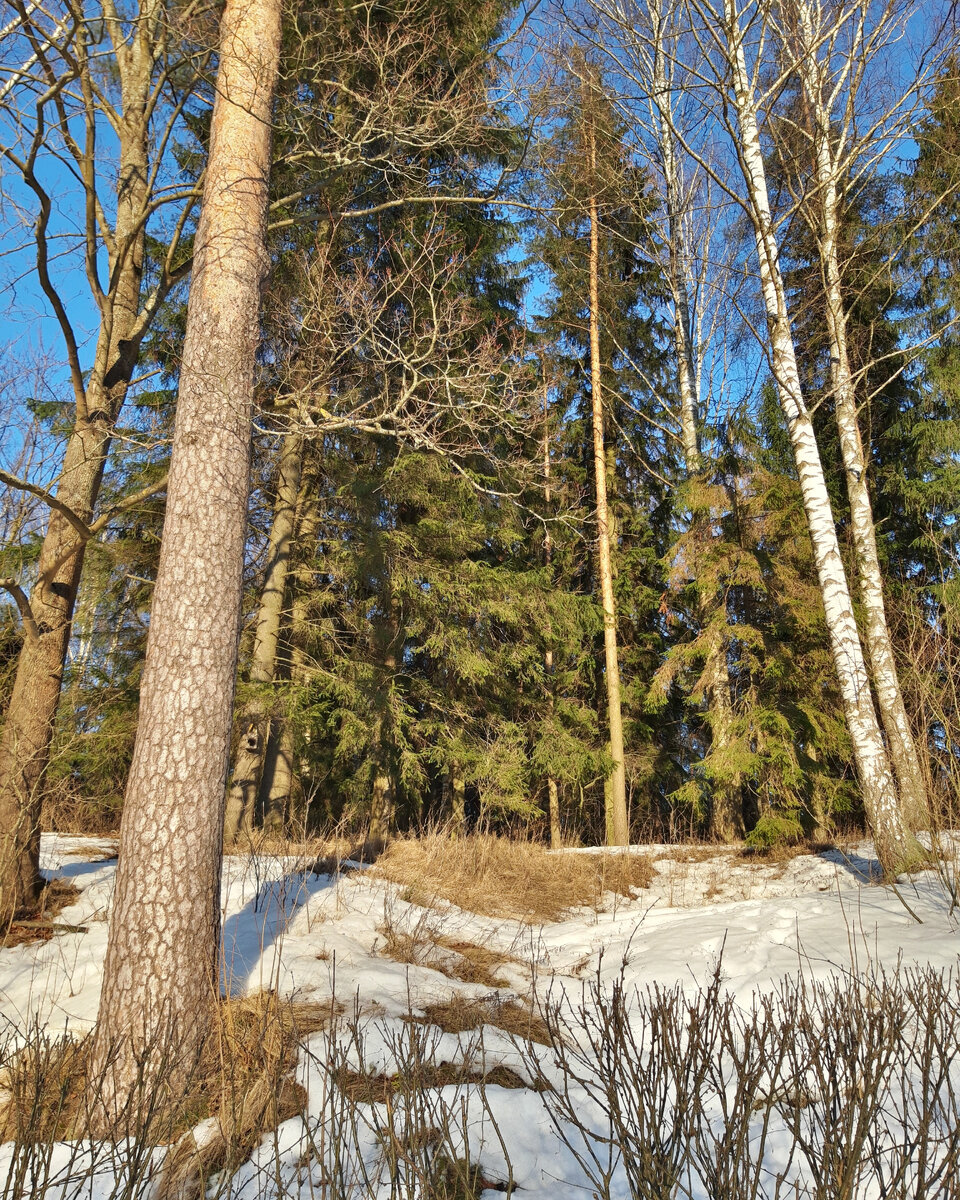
(876, 632)
(160, 976)
(29, 725)
(897, 849)
(617, 825)
(248, 767)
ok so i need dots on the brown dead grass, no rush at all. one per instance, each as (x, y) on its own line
(456, 958)
(55, 896)
(377, 1089)
(785, 852)
(699, 854)
(462, 1015)
(243, 1078)
(498, 877)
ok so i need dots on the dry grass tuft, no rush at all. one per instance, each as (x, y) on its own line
(498, 877)
(453, 957)
(41, 1089)
(783, 852)
(475, 964)
(462, 1015)
(55, 896)
(243, 1079)
(378, 1089)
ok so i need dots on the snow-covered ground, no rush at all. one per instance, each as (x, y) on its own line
(321, 938)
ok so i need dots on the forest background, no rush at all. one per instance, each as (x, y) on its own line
(604, 477)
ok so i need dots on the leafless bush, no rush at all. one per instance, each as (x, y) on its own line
(830, 1090)
(836, 1090)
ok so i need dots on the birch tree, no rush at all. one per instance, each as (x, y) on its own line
(830, 48)
(160, 975)
(727, 33)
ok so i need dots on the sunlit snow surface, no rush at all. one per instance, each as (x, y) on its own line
(316, 937)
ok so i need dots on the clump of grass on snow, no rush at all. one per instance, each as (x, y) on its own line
(498, 877)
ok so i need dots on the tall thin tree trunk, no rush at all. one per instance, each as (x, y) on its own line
(726, 813)
(29, 725)
(618, 832)
(278, 782)
(252, 750)
(458, 799)
(876, 632)
(897, 849)
(553, 793)
(383, 799)
(160, 975)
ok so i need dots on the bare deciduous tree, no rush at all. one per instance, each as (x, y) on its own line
(57, 103)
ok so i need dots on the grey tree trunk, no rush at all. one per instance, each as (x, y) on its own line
(260, 731)
(726, 815)
(28, 729)
(160, 975)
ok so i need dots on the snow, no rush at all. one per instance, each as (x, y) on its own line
(320, 938)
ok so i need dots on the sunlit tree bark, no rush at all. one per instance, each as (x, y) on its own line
(160, 976)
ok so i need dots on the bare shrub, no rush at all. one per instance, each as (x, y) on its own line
(409, 1133)
(242, 1084)
(518, 880)
(855, 1081)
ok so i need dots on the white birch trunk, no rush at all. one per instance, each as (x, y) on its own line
(897, 849)
(893, 713)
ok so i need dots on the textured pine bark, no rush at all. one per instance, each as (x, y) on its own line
(160, 977)
(896, 846)
(617, 824)
(28, 729)
(876, 631)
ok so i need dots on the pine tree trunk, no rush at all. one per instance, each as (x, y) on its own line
(458, 789)
(160, 975)
(617, 825)
(897, 849)
(384, 792)
(248, 767)
(553, 794)
(726, 813)
(876, 632)
(278, 783)
(31, 714)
